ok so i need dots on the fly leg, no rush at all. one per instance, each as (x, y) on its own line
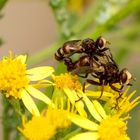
(68, 62)
(119, 90)
(80, 98)
(84, 84)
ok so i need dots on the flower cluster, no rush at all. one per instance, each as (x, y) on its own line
(69, 113)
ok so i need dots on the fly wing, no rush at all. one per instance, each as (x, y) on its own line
(94, 68)
(107, 58)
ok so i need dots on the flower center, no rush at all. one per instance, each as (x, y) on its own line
(39, 128)
(12, 77)
(113, 128)
(67, 80)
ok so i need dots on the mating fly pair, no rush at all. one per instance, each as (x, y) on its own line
(96, 60)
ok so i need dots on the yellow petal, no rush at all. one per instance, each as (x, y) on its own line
(97, 94)
(39, 95)
(29, 103)
(22, 58)
(43, 84)
(74, 99)
(86, 136)
(83, 122)
(70, 95)
(39, 73)
(91, 108)
(100, 109)
(79, 105)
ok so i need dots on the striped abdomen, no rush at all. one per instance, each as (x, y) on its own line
(68, 49)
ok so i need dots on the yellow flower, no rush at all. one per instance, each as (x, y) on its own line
(58, 116)
(38, 128)
(45, 126)
(106, 126)
(15, 81)
(125, 103)
(67, 80)
(67, 87)
(117, 102)
(120, 102)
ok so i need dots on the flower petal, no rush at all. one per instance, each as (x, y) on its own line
(83, 122)
(100, 109)
(86, 135)
(22, 58)
(91, 108)
(80, 108)
(39, 73)
(39, 95)
(29, 103)
(97, 94)
(72, 95)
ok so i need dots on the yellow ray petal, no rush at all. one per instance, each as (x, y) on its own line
(86, 136)
(29, 103)
(22, 58)
(83, 122)
(39, 73)
(97, 94)
(72, 95)
(43, 84)
(39, 95)
(99, 108)
(91, 108)
(80, 108)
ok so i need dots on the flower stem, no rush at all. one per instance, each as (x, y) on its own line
(5, 120)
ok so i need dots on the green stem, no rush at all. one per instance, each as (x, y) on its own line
(5, 118)
(11, 117)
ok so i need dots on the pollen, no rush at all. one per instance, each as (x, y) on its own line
(113, 128)
(38, 128)
(67, 80)
(12, 77)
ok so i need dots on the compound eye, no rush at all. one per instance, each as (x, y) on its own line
(125, 76)
(101, 42)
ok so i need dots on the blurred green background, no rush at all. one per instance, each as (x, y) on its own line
(39, 27)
